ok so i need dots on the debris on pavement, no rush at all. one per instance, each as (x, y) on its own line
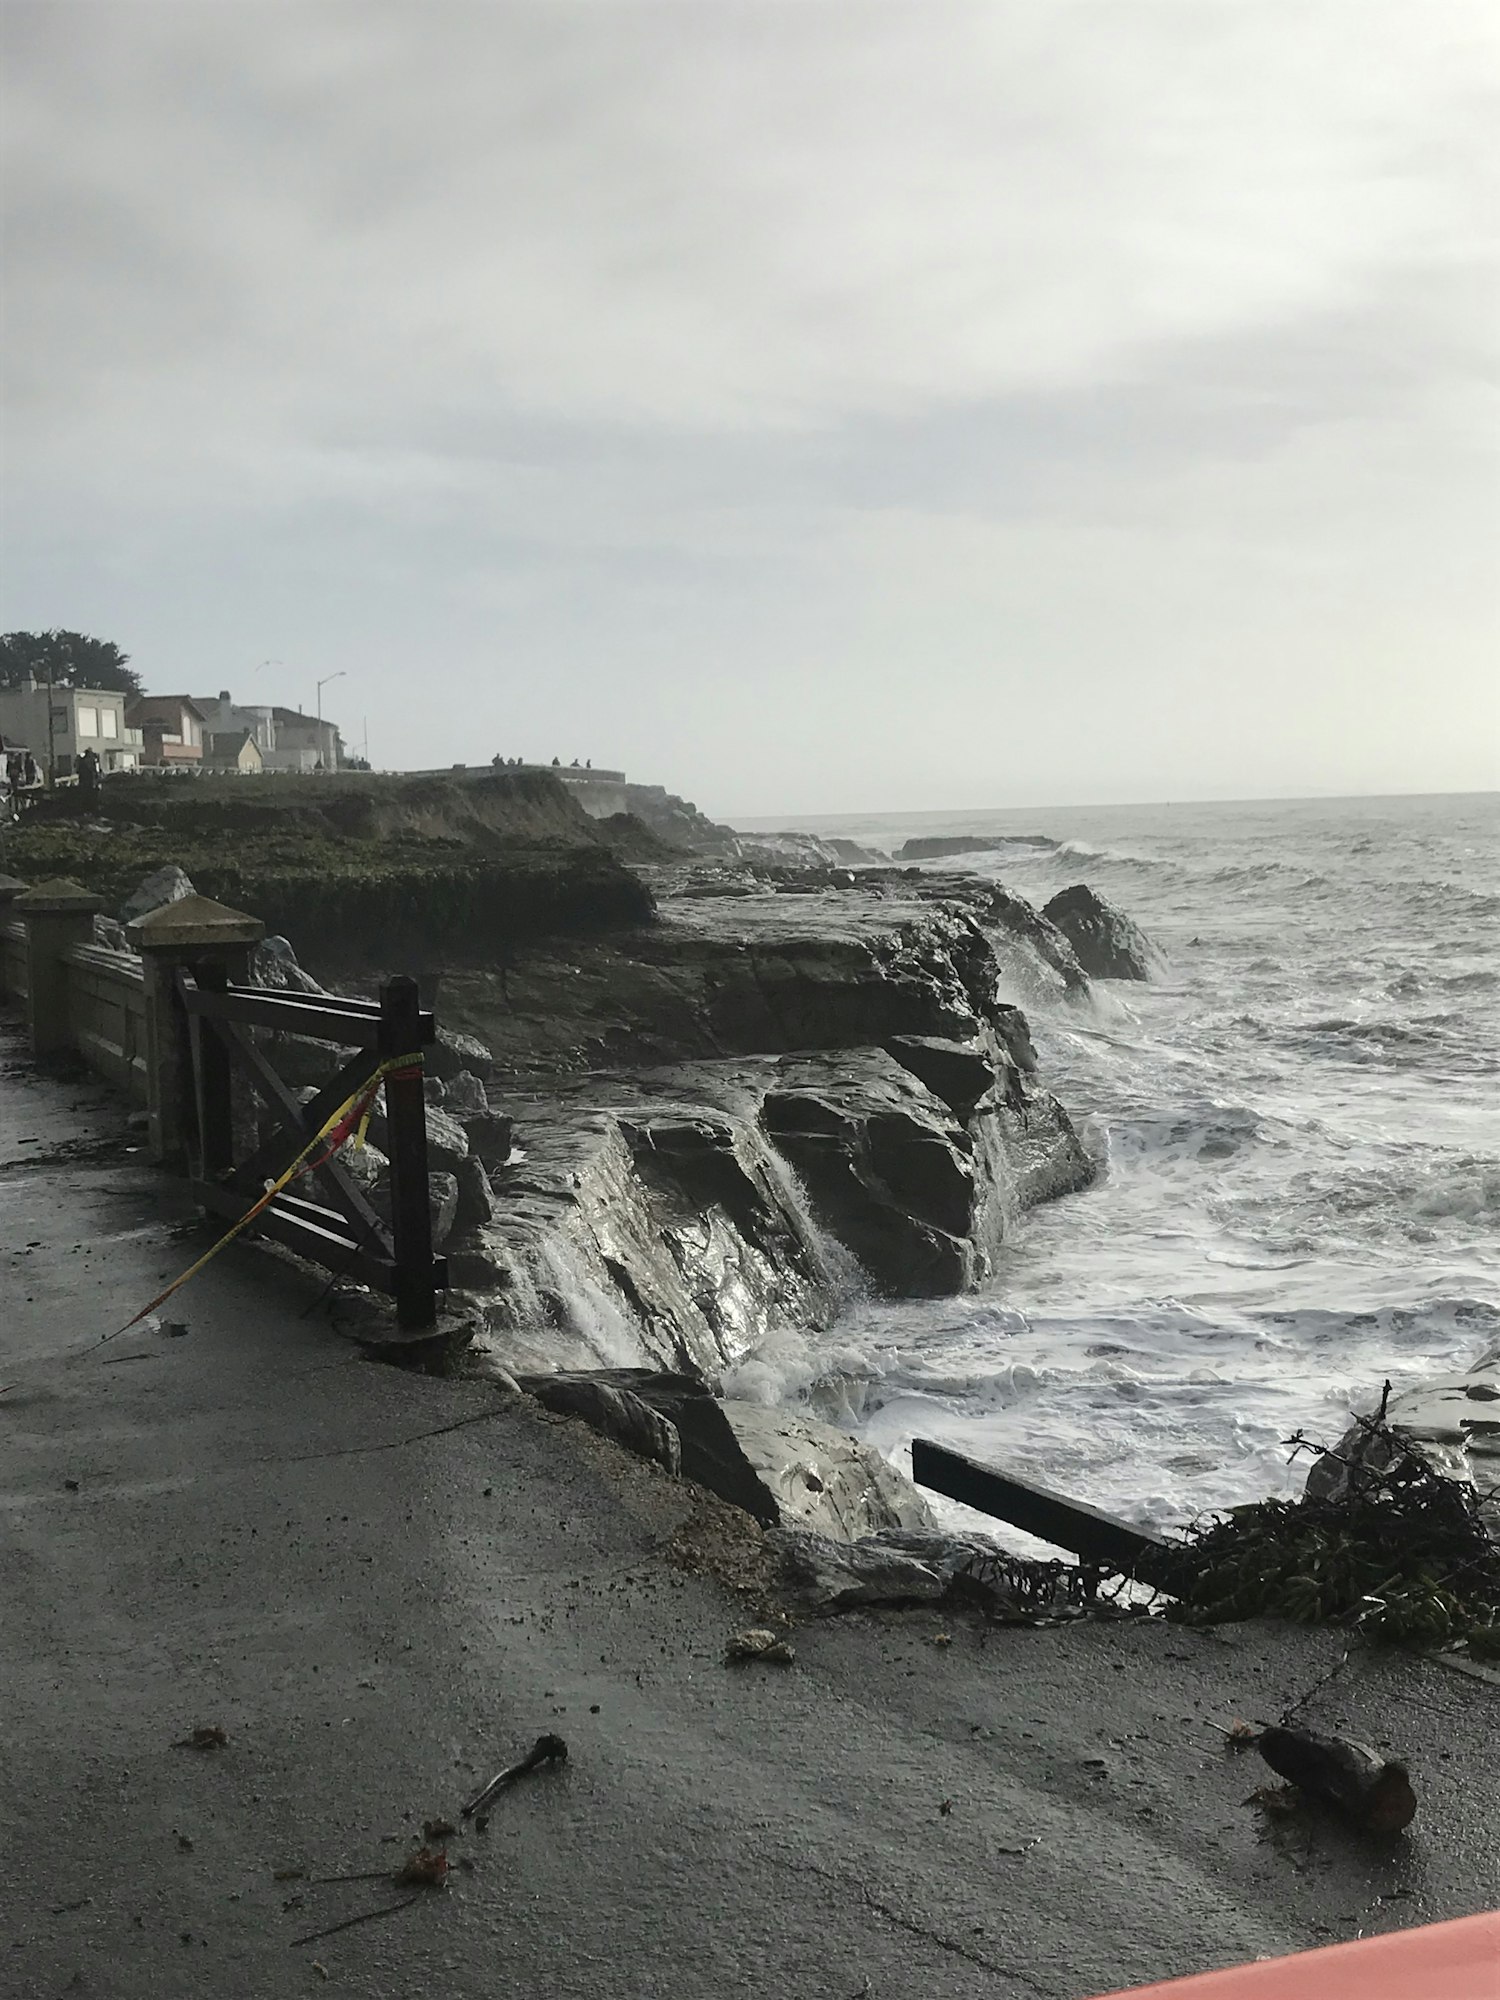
(207, 1736)
(1372, 1793)
(1278, 1801)
(759, 1643)
(364, 1917)
(1395, 1547)
(426, 1869)
(547, 1749)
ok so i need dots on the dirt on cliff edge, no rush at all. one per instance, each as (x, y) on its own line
(453, 864)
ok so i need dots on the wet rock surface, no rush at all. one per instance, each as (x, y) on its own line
(780, 1466)
(609, 1405)
(889, 1168)
(822, 1479)
(758, 973)
(1109, 945)
(723, 1123)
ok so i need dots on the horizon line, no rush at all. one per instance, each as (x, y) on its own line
(1119, 805)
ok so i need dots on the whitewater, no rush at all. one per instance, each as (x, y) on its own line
(1297, 1123)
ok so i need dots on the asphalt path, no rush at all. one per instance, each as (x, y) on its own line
(382, 1588)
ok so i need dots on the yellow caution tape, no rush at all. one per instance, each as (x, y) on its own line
(351, 1119)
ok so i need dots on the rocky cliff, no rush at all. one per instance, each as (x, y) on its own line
(727, 1121)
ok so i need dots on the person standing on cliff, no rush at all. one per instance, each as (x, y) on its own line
(88, 776)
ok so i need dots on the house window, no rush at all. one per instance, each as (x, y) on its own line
(88, 721)
(109, 722)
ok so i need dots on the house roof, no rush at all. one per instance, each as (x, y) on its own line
(160, 708)
(225, 745)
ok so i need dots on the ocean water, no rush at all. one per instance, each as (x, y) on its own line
(1298, 1123)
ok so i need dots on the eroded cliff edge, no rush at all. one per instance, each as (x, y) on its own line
(688, 1100)
(727, 1121)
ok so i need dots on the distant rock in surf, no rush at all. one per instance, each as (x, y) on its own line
(1107, 943)
(938, 847)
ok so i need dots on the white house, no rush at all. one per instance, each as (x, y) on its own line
(224, 716)
(287, 739)
(304, 743)
(81, 719)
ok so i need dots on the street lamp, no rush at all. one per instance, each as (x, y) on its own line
(321, 685)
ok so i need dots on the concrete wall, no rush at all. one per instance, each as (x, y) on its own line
(106, 995)
(99, 1003)
(14, 984)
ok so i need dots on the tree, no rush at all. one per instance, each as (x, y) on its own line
(69, 659)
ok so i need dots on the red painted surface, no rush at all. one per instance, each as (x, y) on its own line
(1454, 1961)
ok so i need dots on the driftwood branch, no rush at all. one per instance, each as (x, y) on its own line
(546, 1750)
(1371, 1792)
(364, 1917)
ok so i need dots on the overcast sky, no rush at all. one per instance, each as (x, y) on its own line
(810, 406)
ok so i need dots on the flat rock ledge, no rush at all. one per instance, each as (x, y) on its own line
(783, 1467)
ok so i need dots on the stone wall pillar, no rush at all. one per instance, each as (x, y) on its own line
(57, 915)
(204, 937)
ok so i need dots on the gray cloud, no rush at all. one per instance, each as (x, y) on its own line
(799, 393)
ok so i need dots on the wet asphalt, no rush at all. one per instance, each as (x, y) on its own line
(383, 1587)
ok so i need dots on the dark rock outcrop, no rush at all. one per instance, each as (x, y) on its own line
(442, 1204)
(447, 1141)
(888, 1167)
(273, 963)
(960, 1073)
(1108, 944)
(453, 1053)
(658, 1232)
(662, 1083)
(476, 1198)
(463, 1096)
(490, 1137)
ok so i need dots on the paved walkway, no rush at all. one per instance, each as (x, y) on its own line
(383, 1587)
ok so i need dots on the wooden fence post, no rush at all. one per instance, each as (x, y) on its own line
(195, 932)
(406, 1125)
(57, 915)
